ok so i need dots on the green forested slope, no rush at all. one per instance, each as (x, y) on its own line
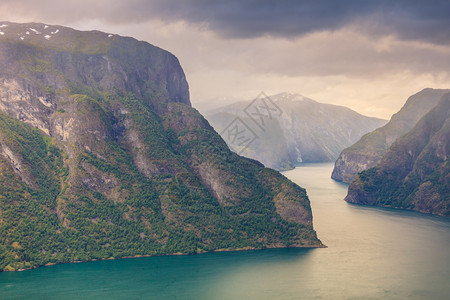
(102, 157)
(415, 171)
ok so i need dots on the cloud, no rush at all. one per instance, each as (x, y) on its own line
(368, 55)
(371, 75)
(408, 19)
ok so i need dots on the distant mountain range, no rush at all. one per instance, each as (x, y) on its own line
(298, 129)
(415, 171)
(369, 150)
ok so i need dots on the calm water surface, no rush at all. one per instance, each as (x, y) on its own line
(372, 253)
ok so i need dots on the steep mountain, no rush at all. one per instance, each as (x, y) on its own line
(298, 129)
(102, 156)
(415, 171)
(369, 150)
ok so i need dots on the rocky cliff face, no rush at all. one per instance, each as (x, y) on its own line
(369, 150)
(303, 130)
(415, 171)
(102, 156)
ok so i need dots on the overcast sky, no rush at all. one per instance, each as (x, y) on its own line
(367, 55)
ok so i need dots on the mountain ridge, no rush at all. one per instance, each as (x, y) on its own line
(368, 151)
(415, 171)
(305, 131)
(102, 156)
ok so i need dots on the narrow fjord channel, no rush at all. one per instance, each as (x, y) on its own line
(372, 253)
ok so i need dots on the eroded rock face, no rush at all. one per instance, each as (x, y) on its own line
(349, 164)
(369, 150)
(22, 100)
(102, 155)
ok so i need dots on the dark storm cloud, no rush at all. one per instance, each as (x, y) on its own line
(249, 18)
(408, 19)
(426, 20)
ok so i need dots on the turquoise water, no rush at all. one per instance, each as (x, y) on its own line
(372, 253)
